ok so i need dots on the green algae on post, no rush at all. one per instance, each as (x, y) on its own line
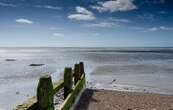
(45, 93)
(76, 73)
(67, 81)
(82, 68)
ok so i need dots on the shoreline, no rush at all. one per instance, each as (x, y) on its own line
(129, 88)
(114, 86)
(92, 85)
(96, 99)
(130, 83)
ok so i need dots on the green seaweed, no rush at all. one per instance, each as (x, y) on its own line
(45, 93)
(73, 95)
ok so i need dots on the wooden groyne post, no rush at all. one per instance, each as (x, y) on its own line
(68, 81)
(82, 71)
(45, 93)
(46, 90)
(76, 73)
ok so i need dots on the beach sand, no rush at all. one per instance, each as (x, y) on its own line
(116, 100)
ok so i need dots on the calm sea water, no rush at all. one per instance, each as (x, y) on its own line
(138, 69)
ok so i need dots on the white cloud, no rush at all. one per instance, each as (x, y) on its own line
(48, 7)
(166, 28)
(82, 14)
(81, 17)
(101, 25)
(115, 5)
(58, 34)
(24, 21)
(120, 20)
(153, 29)
(83, 10)
(160, 28)
(52, 7)
(7, 5)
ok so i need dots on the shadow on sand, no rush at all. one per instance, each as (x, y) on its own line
(85, 100)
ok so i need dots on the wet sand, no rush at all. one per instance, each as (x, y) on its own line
(116, 100)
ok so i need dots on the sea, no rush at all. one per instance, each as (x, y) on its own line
(139, 69)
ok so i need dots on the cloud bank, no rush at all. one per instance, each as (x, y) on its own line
(115, 5)
(24, 21)
(160, 28)
(7, 5)
(58, 34)
(82, 14)
(101, 25)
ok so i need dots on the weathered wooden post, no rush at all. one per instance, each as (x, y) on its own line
(67, 81)
(45, 93)
(82, 71)
(77, 72)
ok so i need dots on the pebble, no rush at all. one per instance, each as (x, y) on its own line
(59, 97)
(17, 92)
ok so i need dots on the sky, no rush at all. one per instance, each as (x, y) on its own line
(86, 23)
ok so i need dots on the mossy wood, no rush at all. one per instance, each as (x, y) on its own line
(82, 71)
(30, 104)
(45, 93)
(76, 73)
(46, 89)
(57, 86)
(73, 95)
(68, 81)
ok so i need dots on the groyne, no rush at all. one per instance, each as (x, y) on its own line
(73, 84)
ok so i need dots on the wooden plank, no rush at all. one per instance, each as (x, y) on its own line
(57, 86)
(72, 96)
(30, 103)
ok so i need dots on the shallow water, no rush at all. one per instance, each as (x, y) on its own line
(134, 69)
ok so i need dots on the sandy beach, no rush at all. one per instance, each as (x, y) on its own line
(116, 100)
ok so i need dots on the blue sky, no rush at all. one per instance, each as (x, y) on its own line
(86, 23)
